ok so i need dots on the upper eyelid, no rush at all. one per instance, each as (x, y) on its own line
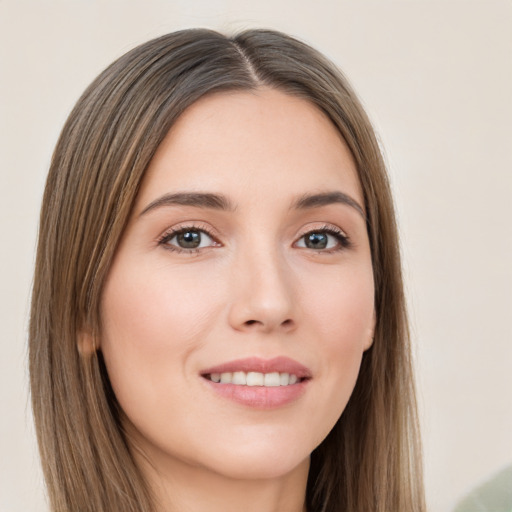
(191, 225)
(325, 226)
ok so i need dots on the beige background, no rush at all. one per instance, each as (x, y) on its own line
(436, 78)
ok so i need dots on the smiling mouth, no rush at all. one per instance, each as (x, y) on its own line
(269, 380)
(256, 372)
(264, 384)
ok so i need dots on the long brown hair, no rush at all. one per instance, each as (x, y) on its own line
(370, 461)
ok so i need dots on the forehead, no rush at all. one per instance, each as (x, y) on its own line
(252, 144)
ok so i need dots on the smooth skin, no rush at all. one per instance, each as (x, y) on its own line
(248, 275)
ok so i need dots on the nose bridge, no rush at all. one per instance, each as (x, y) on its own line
(263, 295)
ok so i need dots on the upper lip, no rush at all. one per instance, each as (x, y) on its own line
(279, 364)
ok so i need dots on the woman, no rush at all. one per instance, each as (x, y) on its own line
(218, 316)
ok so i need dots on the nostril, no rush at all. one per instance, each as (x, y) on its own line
(285, 323)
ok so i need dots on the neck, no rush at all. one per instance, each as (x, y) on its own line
(195, 489)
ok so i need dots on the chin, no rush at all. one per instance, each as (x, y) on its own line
(261, 455)
(258, 467)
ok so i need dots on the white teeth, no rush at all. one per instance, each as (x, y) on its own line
(239, 378)
(255, 379)
(225, 378)
(273, 379)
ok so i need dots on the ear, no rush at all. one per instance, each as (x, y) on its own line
(87, 343)
(371, 333)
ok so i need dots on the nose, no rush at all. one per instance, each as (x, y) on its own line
(262, 298)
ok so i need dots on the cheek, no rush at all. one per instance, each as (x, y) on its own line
(341, 315)
(342, 308)
(151, 325)
(154, 311)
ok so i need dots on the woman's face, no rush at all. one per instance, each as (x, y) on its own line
(246, 260)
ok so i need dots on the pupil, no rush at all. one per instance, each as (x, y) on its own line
(316, 241)
(189, 239)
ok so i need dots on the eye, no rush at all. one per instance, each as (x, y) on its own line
(328, 239)
(187, 239)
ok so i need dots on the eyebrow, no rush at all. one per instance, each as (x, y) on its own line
(327, 198)
(196, 199)
(221, 202)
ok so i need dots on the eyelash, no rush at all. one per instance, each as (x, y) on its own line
(342, 239)
(173, 232)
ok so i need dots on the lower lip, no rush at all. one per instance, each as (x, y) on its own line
(260, 397)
